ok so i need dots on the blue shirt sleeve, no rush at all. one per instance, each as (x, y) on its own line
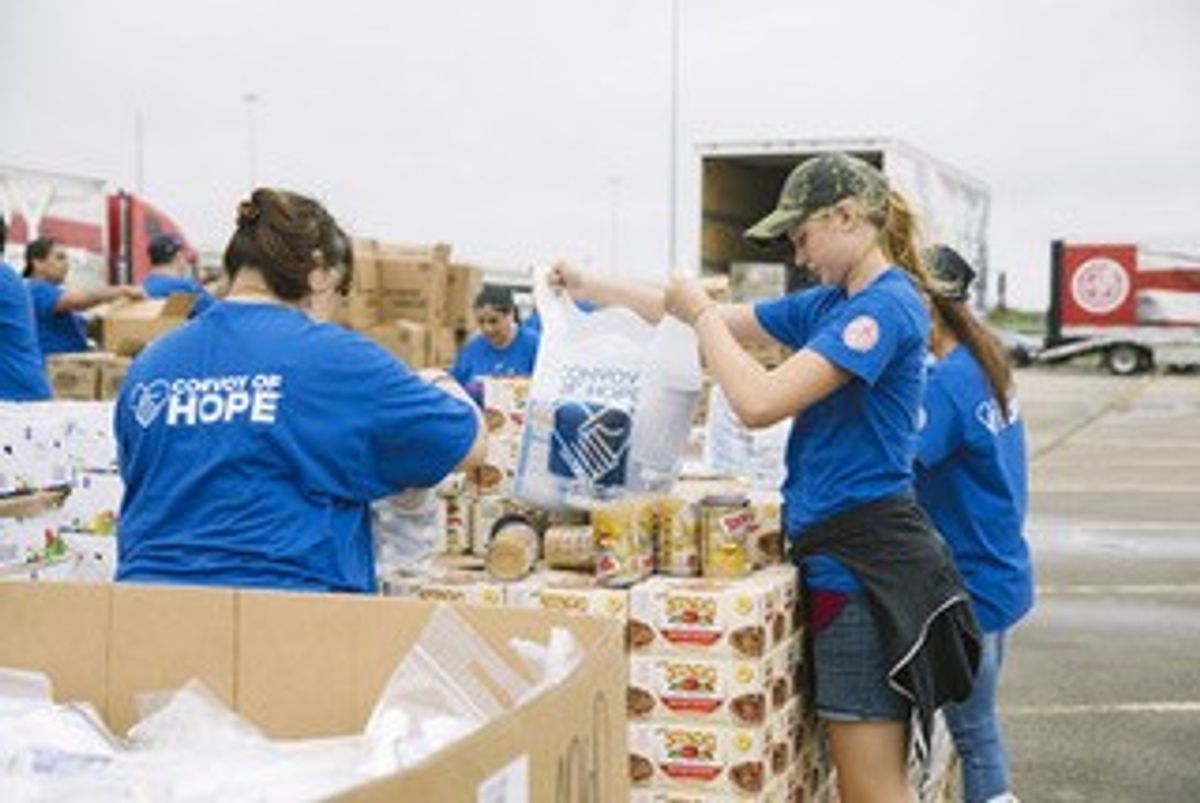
(864, 336)
(941, 430)
(787, 318)
(45, 298)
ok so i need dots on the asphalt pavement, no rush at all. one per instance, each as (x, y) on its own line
(1100, 694)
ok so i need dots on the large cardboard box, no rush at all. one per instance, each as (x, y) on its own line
(463, 283)
(443, 347)
(412, 282)
(306, 666)
(74, 376)
(408, 341)
(128, 327)
(112, 376)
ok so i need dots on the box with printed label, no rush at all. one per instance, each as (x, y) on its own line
(407, 341)
(737, 691)
(779, 791)
(505, 400)
(472, 588)
(412, 282)
(708, 758)
(569, 592)
(684, 616)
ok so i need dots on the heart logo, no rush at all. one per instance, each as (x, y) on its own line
(148, 401)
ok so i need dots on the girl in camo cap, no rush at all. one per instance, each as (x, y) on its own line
(892, 632)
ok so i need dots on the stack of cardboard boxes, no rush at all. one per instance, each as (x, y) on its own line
(412, 299)
(87, 376)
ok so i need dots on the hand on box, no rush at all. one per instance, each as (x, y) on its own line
(131, 291)
(685, 299)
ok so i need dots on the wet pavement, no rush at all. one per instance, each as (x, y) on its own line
(1100, 695)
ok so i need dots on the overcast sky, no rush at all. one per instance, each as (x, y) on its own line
(520, 131)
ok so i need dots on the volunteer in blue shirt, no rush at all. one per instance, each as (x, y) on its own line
(61, 329)
(22, 372)
(502, 348)
(891, 626)
(169, 270)
(971, 480)
(253, 438)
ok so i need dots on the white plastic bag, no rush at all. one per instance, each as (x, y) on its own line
(610, 405)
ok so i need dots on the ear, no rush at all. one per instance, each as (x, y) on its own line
(846, 214)
(322, 280)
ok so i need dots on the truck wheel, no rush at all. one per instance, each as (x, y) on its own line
(1126, 359)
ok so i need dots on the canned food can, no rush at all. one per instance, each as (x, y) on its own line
(454, 514)
(624, 539)
(678, 538)
(513, 548)
(570, 546)
(488, 509)
(726, 525)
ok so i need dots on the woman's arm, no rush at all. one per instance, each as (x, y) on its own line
(79, 300)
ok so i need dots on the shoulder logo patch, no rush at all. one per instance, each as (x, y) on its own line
(861, 334)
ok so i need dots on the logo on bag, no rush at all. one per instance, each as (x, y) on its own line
(861, 334)
(201, 401)
(591, 442)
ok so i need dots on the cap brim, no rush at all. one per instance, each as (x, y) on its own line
(774, 225)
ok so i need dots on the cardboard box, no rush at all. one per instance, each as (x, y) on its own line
(127, 327)
(307, 665)
(74, 376)
(742, 618)
(569, 592)
(443, 347)
(359, 311)
(710, 759)
(726, 691)
(412, 282)
(408, 341)
(469, 587)
(463, 283)
(366, 267)
(112, 376)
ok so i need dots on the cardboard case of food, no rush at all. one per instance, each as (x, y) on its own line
(127, 327)
(307, 665)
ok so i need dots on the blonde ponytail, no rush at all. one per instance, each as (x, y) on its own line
(898, 237)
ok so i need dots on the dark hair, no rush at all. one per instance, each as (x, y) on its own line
(3, 235)
(36, 251)
(286, 236)
(498, 296)
(982, 344)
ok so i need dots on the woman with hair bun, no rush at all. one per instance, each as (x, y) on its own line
(253, 439)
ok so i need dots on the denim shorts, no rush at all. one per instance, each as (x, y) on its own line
(850, 669)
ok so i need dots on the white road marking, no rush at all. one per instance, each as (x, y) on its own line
(1163, 707)
(1131, 590)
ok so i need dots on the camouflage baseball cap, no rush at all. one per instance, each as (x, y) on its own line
(816, 184)
(951, 273)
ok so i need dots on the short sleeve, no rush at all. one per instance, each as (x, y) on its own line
(45, 298)
(421, 433)
(940, 429)
(787, 319)
(864, 337)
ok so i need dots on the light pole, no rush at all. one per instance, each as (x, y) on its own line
(672, 151)
(250, 99)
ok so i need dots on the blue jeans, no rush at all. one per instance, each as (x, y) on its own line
(976, 729)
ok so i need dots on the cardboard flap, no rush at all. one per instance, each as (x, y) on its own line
(61, 630)
(162, 637)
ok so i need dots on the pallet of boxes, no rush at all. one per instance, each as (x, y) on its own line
(412, 299)
(698, 577)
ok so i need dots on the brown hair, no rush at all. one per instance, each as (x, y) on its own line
(286, 236)
(982, 344)
(899, 237)
(36, 251)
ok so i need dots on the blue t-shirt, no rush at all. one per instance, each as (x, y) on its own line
(58, 332)
(479, 358)
(857, 444)
(158, 285)
(22, 372)
(971, 479)
(251, 441)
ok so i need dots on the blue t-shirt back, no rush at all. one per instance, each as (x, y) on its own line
(857, 444)
(58, 332)
(158, 285)
(251, 441)
(479, 358)
(971, 478)
(22, 371)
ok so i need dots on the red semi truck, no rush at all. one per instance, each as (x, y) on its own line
(1136, 305)
(105, 233)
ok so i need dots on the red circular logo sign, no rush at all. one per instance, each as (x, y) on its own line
(1100, 285)
(861, 334)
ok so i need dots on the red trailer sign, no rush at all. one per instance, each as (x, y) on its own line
(1121, 285)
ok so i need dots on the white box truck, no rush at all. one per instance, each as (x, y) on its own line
(739, 182)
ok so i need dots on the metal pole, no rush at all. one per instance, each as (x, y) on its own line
(250, 99)
(674, 133)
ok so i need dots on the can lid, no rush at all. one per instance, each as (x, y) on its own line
(511, 519)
